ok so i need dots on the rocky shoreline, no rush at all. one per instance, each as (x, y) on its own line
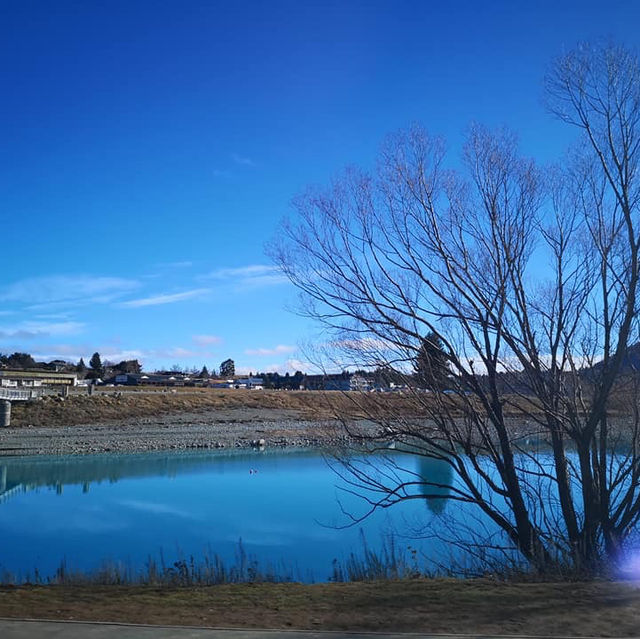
(210, 429)
(58, 427)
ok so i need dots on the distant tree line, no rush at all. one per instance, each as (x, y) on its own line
(284, 382)
(430, 369)
(96, 369)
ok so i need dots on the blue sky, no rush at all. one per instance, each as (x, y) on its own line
(150, 149)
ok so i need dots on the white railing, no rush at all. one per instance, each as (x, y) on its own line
(22, 395)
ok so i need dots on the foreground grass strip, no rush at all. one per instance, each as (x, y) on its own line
(599, 609)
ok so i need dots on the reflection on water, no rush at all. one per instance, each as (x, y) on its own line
(127, 507)
(439, 475)
(23, 474)
(124, 508)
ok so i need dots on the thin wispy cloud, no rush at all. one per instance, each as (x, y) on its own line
(178, 351)
(60, 289)
(253, 270)
(69, 352)
(309, 368)
(288, 366)
(73, 352)
(35, 330)
(206, 340)
(54, 328)
(242, 160)
(251, 276)
(113, 354)
(53, 316)
(166, 298)
(260, 281)
(280, 349)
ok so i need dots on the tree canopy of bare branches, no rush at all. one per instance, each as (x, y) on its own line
(528, 277)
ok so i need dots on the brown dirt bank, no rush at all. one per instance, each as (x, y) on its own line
(478, 607)
(117, 404)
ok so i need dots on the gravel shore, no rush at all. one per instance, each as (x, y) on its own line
(141, 421)
(227, 428)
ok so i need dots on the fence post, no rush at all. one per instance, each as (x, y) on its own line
(5, 413)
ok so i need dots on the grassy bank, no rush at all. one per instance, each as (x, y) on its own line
(438, 606)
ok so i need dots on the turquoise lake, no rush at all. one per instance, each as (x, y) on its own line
(284, 506)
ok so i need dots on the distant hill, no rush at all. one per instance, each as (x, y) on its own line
(630, 362)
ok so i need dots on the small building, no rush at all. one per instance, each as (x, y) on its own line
(255, 383)
(148, 379)
(226, 383)
(339, 381)
(33, 378)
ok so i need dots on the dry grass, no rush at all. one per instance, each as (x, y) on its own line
(119, 403)
(116, 404)
(436, 606)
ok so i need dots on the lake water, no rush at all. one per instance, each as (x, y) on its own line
(124, 508)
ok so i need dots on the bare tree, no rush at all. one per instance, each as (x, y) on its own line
(529, 279)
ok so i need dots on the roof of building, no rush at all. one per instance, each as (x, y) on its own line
(35, 373)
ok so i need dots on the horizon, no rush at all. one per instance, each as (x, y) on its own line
(151, 150)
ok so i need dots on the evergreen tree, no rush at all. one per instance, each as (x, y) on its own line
(96, 365)
(204, 373)
(227, 368)
(297, 380)
(430, 366)
(81, 367)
